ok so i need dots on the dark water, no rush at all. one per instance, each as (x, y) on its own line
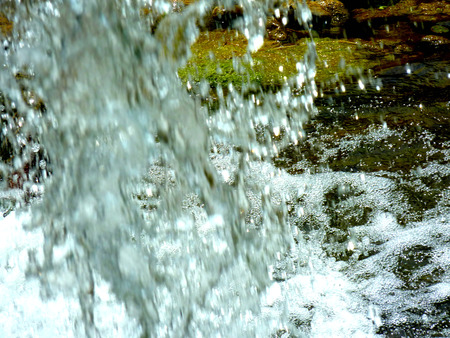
(400, 133)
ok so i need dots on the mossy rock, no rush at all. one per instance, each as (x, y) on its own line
(221, 58)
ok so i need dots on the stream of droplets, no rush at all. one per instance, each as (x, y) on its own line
(197, 265)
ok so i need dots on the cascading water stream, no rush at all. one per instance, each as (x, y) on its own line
(114, 106)
(175, 206)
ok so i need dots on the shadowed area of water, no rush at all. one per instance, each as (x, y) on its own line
(399, 133)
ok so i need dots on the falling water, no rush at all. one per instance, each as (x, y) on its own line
(114, 108)
(172, 206)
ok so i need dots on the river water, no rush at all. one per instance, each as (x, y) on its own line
(150, 213)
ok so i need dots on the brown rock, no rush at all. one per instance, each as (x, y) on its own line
(432, 11)
(334, 9)
(435, 40)
(6, 26)
(275, 30)
(414, 10)
(318, 9)
(339, 14)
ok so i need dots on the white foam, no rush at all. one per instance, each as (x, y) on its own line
(23, 313)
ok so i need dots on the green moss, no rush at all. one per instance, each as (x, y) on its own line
(438, 29)
(219, 57)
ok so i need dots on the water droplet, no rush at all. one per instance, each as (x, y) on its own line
(255, 43)
(277, 13)
(361, 84)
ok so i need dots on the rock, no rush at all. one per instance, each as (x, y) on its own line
(407, 20)
(439, 29)
(332, 8)
(435, 40)
(328, 18)
(413, 10)
(402, 49)
(6, 26)
(221, 17)
(332, 11)
(276, 30)
(281, 20)
(435, 11)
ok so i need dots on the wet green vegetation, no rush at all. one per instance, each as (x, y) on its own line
(221, 58)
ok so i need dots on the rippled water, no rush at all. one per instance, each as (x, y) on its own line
(155, 215)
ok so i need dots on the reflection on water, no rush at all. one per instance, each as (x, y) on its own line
(151, 202)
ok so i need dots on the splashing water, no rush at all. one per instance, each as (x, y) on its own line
(114, 106)
(170, 206)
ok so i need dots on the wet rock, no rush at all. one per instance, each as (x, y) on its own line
(333, 8)
(402, 49)
(435, 40)
(282, 22)
(328, 17)
(434, 11)
(440, 29)
(6, 26)
(416, 24)
(221, 17)
(407, 20)
(275, 30)
(413, 10)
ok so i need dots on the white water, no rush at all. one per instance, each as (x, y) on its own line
(230, 245)
(327, 297)
(24, 313)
